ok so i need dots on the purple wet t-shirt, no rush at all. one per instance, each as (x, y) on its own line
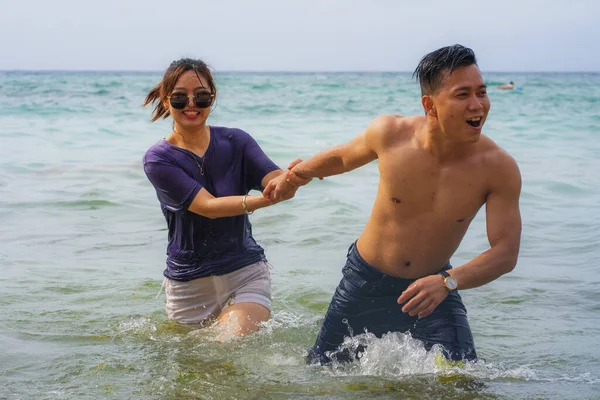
(198, 246)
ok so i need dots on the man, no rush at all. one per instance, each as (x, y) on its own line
(436, 172)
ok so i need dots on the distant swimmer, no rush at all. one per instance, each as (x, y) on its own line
(507, 86)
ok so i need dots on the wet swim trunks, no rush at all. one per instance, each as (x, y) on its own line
(366, 299)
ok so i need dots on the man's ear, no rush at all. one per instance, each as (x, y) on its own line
(428, 106)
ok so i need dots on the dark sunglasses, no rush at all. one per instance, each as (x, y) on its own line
(201, 100)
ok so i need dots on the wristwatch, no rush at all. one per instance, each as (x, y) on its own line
(449, 281)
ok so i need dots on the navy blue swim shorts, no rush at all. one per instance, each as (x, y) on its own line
(366, 299)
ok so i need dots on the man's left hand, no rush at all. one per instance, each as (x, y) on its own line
(423, 295)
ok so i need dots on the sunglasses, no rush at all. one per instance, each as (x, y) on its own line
(201, 100)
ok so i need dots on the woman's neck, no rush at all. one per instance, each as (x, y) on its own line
(196, 140)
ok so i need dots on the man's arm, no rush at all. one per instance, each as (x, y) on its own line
(359, 151)
(339, 159)
(503, 220)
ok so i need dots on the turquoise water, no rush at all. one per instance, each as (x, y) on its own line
(83, 244)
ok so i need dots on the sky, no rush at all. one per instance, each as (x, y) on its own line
(306, 35)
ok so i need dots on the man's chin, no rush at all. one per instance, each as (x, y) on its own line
(473, 137)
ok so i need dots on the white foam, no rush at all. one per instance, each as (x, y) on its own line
(397, 355)
(393, 355)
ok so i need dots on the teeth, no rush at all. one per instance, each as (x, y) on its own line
(474, 119)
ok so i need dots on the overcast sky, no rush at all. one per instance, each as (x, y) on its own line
(302, 35)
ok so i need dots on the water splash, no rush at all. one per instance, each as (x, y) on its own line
(398, 355)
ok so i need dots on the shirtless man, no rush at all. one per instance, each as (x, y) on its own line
(436, 172)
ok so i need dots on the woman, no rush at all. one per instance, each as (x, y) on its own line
(202, 175)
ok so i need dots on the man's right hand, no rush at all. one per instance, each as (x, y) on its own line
(280, 188)
(293, 178)
(285, 185)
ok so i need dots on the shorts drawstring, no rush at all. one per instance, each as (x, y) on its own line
(164, 283)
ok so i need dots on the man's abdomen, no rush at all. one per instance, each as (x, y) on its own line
(409, 249)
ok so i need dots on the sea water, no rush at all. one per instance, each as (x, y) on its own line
(83, 244)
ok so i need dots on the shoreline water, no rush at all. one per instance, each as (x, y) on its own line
(83, 244)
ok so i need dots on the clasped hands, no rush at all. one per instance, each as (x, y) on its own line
(284, 186)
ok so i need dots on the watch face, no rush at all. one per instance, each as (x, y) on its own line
(451, 283)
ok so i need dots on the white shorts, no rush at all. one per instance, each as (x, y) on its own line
(201, 300)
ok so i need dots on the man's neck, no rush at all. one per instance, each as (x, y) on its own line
(434, 141)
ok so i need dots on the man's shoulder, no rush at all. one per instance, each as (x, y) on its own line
(502, 168)
(397, 122)
(395, 127)
(495, 156)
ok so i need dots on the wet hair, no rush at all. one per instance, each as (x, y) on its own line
(159, 93)
(437, 65)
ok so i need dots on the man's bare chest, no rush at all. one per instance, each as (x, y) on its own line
(456, 191)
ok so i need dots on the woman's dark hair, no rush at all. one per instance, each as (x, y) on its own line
(159, 93)
(437, 65)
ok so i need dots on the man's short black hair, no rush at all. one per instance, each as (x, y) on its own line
(435, 66)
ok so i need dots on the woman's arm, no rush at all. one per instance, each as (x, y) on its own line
(207, 205)
(178, 191)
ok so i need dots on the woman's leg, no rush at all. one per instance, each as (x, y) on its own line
(249, 299)
(243, 318)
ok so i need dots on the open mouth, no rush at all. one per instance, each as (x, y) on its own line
(474, 122)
